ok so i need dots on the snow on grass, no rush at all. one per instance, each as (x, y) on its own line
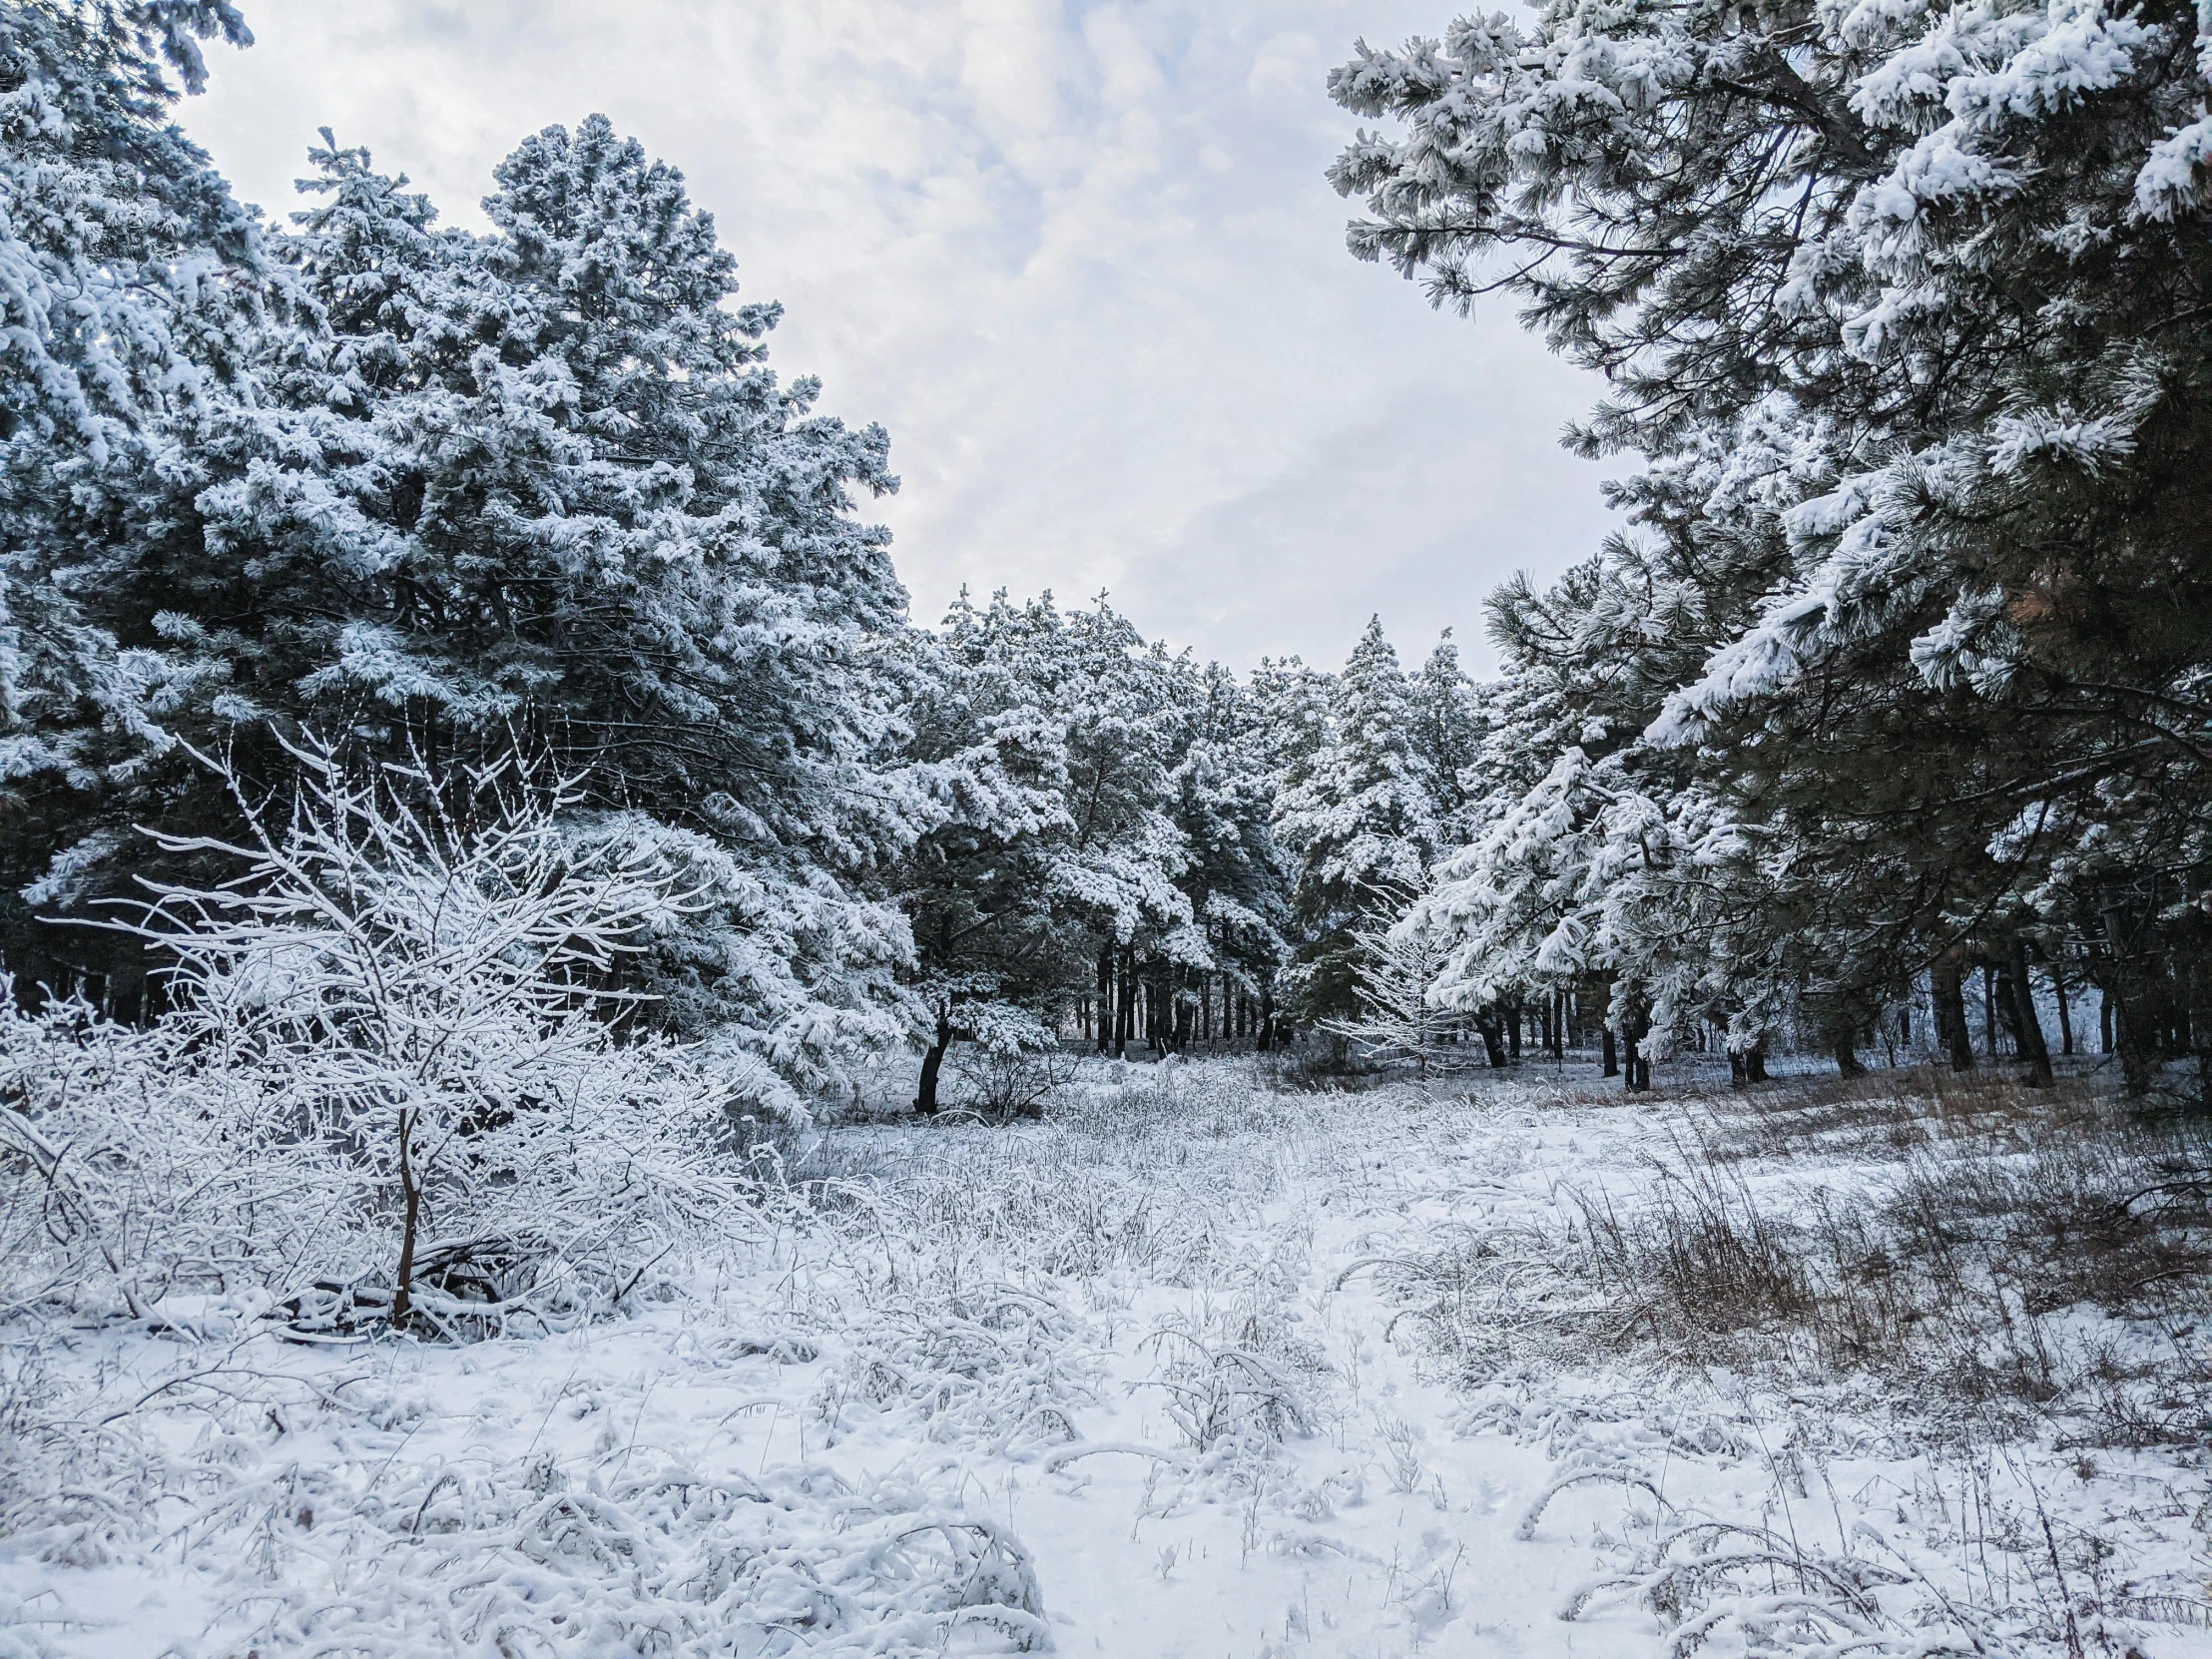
(1195, 1368)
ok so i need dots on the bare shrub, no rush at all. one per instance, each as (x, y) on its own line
(1976, 1218)
(387, 1090)
(1697, 1248)
(1000, 1083)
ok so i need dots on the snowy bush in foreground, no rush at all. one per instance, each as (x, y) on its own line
(387, 1080)
(662, 1561)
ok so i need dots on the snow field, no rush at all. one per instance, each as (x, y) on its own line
(1191, 1368)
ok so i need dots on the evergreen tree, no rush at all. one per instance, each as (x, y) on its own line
(1056, 864)
(1448, 735)
(539, 488)
(1903, 310)
(1237, 878)
(1360, 819)
(125, 274)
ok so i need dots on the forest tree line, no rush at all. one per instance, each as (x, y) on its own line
(1898, 674)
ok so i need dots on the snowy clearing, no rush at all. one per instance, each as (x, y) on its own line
(1192, 1367)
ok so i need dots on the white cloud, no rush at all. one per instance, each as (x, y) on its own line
(1078, 257)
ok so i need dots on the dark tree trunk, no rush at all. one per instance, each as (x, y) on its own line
(1946, 980)
(2130, 1004)
(1989, 1006)
(1512, 1032)
(2066, 1013)
(1493, 1039)
(2028, 1030)
(2199, 988)
(1105, 997)
(1266, 1039)
(932, 1063)
(1634, 1030)
(2137, 1042)
(1610, 1061)
(1847, 1058)
(410, 1191)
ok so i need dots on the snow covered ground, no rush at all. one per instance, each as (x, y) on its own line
(1191, 1370)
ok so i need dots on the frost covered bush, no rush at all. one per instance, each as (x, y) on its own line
(1002, 1082)
(658, 1561)
(387, 1083)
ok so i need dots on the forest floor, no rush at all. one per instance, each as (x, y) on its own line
(1200, 1369)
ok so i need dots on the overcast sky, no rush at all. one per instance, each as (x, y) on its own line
(1078, 257)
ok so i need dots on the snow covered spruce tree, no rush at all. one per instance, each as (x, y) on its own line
(125, 274)
(1359, 819)
(997, 950)
(1903, 307)
(538, 489)
(1448, 728)
(1237, 877)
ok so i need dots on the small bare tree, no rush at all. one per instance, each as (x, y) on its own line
(1396, 968)
(401, 995)
(1013, 1067)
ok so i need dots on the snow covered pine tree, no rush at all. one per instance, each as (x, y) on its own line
(1903, 307)
(537, 488)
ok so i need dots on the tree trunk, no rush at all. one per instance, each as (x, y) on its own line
(1610, 1062)
(1946, 982)
(2137, 1043)
(410, 1188)
(1989, 1006)
(2128, 1004)
(1493, 1039)
(1847, 1059)
(2193, 994)
(2066, 1013)
(1512, 1032)
(1267, 1017)
(932, 1061)
(1634, 1030)
(1105, 997)
(2028, 1029)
